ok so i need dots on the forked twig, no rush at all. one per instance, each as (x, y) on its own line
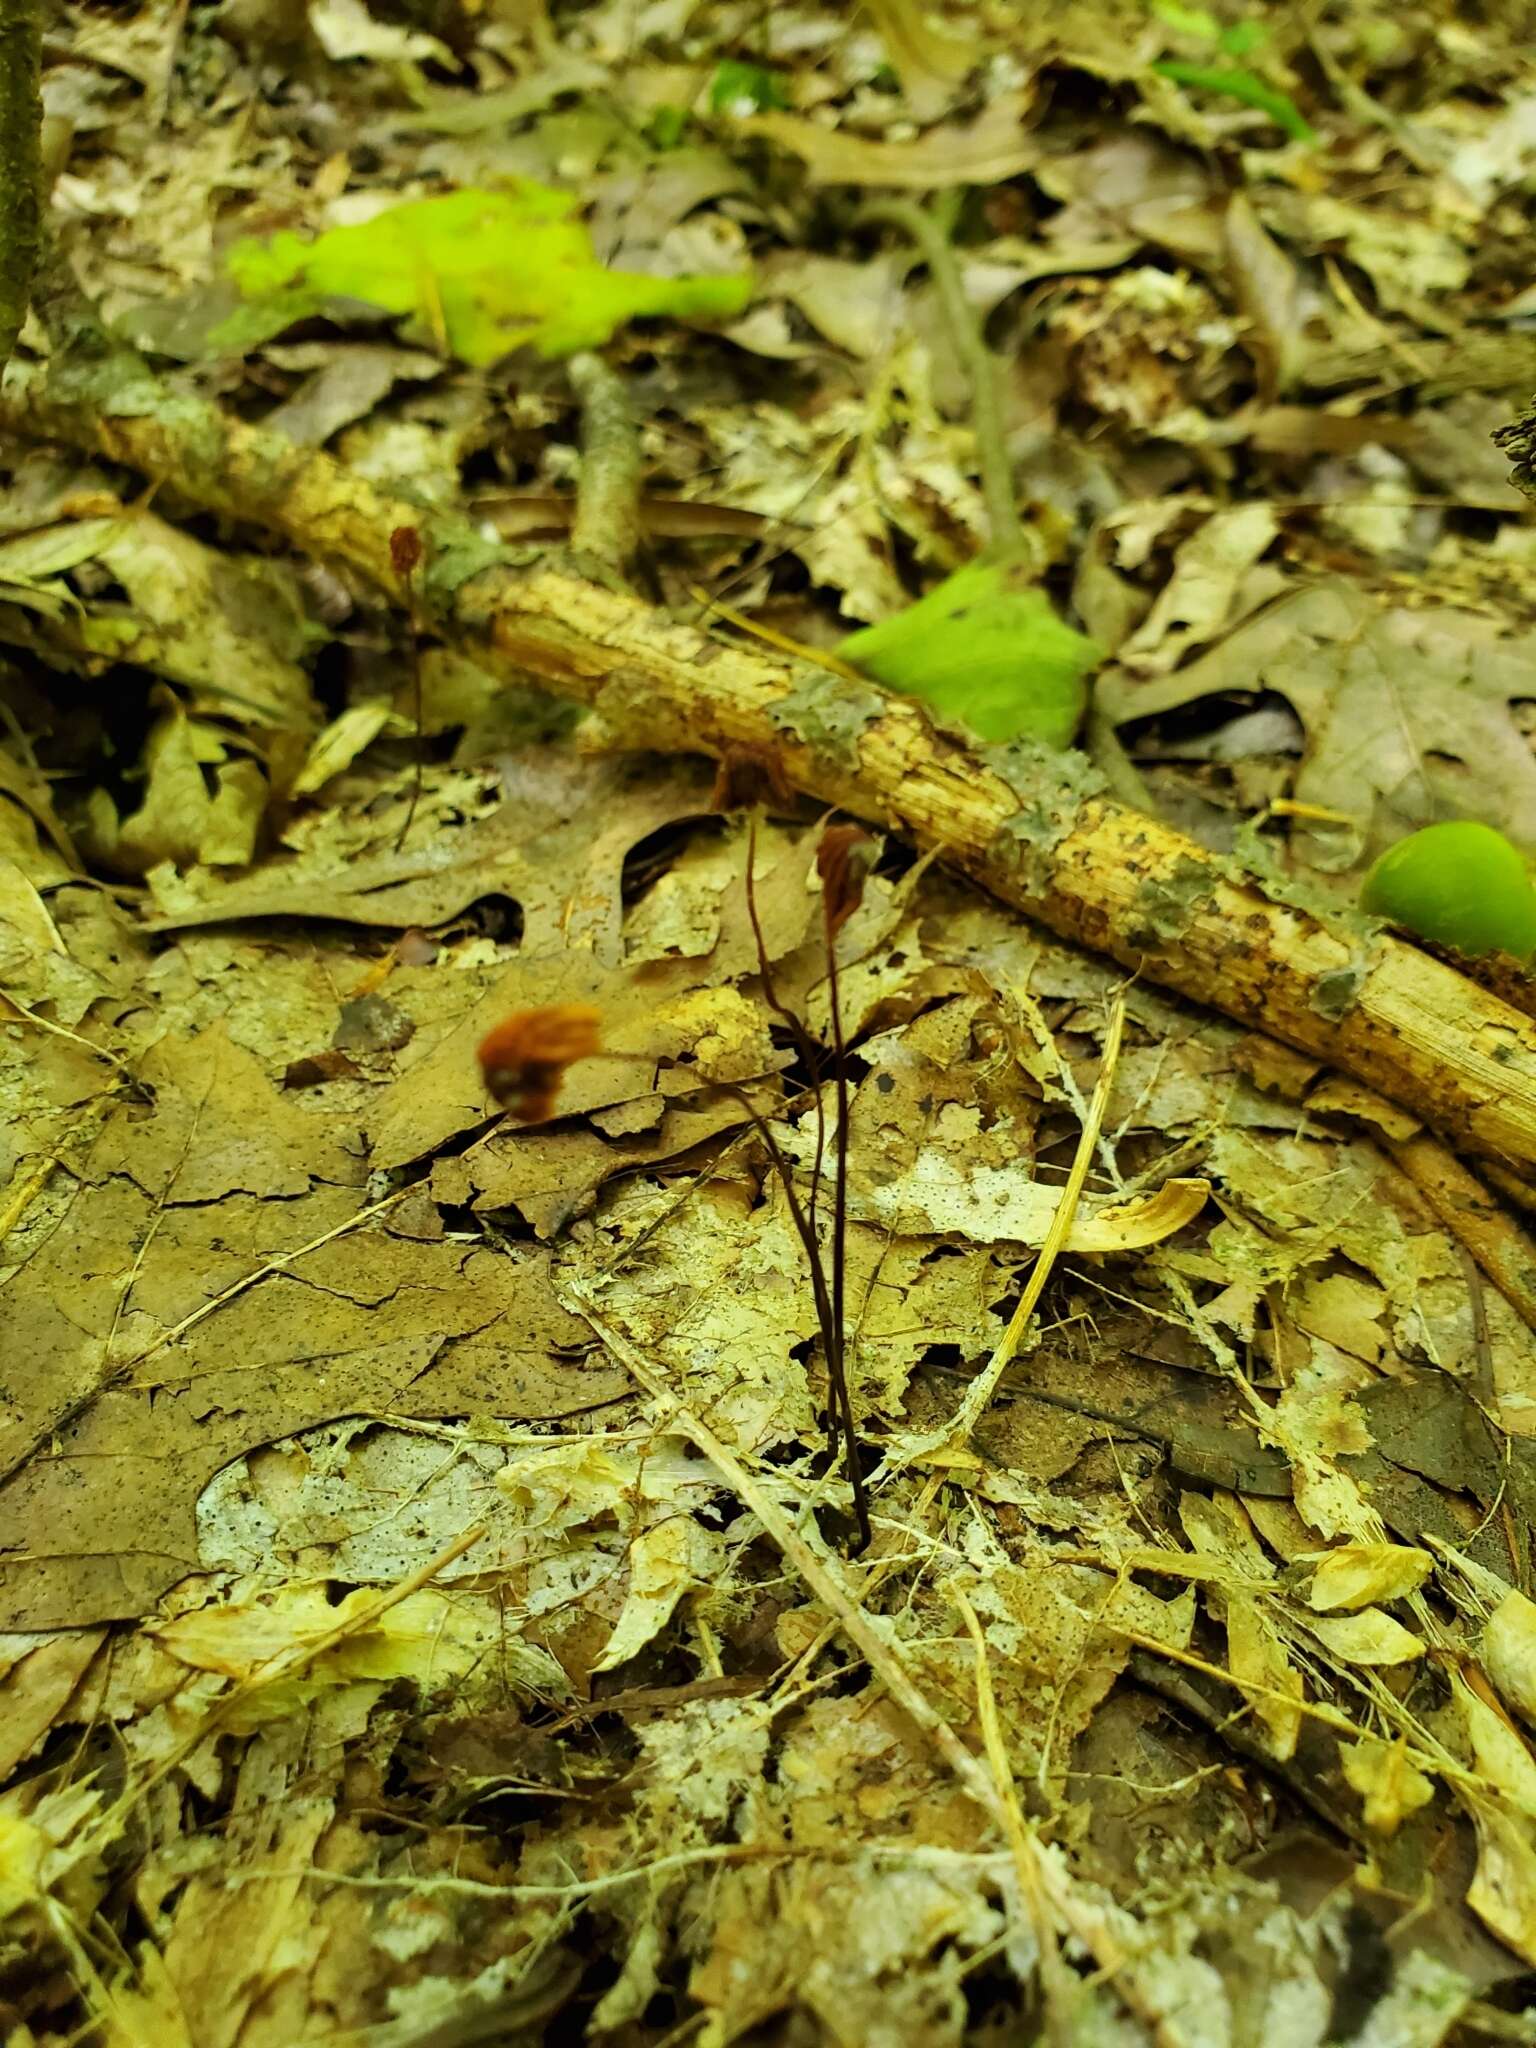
(524, 1061)
(838, 896)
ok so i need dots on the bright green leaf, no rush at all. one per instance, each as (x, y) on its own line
(1201, 26)
(482, 273)
(666, 127)
(1188, 21)
(1243, 38)
(735, 83)
(985, 648)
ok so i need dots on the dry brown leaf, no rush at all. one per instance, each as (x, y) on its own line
(994, 146)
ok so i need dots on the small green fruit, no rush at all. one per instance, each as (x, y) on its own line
(1459, 884)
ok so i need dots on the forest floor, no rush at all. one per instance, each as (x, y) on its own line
(431, 1531)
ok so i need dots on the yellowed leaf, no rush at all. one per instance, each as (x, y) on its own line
(1391, 1787)
(994, 1205)
(339, 745)
(1503, 1890)
(1361, 1574)
(1219, 1528)
(1370, 1637)
(1256, 1654)
(1498, 1749)
(1509, 1651)
(179, 819)
(665, 1562)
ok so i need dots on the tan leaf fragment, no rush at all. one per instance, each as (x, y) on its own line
(1503, 1890)
(987, 150)
(995, 1205)
(339, 745)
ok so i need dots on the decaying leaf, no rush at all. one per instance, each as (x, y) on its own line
(1408, 718)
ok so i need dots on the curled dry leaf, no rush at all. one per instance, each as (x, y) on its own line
(842, 863)
(995, 1205)
(1370, 1637)
(1509, 1651)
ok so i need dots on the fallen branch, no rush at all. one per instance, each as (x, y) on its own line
(21, 170)
(1032, 828)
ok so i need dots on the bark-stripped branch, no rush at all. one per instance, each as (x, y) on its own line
(21, 170)
(1032, 828)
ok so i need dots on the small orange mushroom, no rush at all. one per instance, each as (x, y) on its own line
(524, 1059)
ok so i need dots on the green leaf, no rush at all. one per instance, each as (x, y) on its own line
(736, 82)
(1202, 27)
(986, 648)
(481, 272)
(1188, 21)
(1246, 86)
(1242, 38)
(1460, 884)
(666, 127)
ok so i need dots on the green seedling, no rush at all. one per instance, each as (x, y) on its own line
(737, 84)
(1459, 884)
(1236, 39)
(478, 273)
(986, 649)
(1232, 79)
(667, 127)
(1238, 84)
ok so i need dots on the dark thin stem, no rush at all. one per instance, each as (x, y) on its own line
(838, 1337)
(830, 1304)
(930, 230)
(805, 1045)
(797, 1209)
(831, 1329)
(416, 711)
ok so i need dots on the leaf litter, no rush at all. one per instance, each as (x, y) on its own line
(430, 1604)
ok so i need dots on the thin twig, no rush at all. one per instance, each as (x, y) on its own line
(981, 366)
(1061, 1987)
(979, 1395)
(607, 524)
